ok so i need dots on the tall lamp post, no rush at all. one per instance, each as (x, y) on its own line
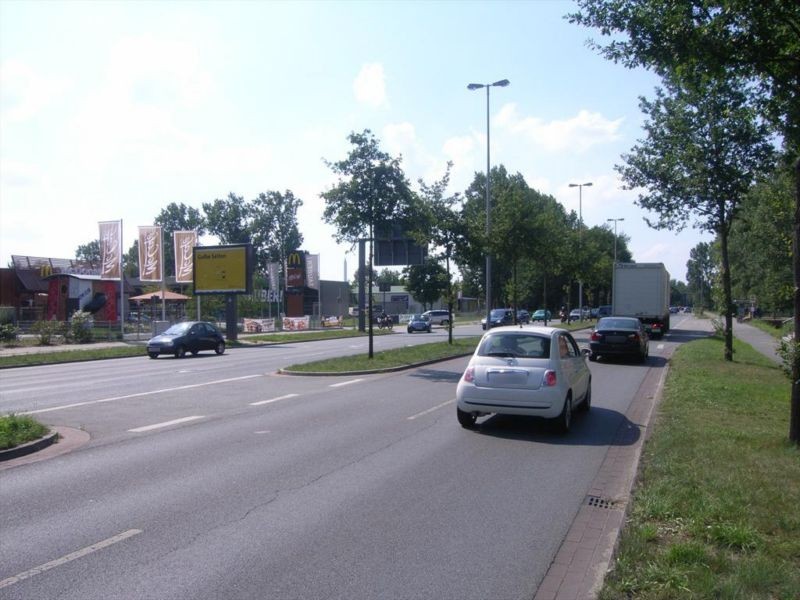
(614, 268)
(477, 86)
(580, 187)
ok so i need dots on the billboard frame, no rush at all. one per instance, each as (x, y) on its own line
(212, 265)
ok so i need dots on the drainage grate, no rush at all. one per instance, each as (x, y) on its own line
(598, 502)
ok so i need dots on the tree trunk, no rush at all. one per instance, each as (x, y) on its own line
(726, 291)
(794, 419)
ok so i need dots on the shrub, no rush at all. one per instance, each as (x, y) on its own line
(47, 330)
(80, 327)
(9, 334)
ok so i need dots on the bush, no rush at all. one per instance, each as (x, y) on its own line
(7, 315)
(47, 330)
(80, 328)
(9, 334)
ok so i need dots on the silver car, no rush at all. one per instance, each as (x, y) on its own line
(532, 371)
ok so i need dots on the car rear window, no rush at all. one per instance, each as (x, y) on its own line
(615, 323)
(521, 345)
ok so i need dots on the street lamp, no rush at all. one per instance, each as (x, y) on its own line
(580, 187)
(614, 268)
(477, 86)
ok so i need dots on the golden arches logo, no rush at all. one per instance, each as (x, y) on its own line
(45, 271)
(294, 260)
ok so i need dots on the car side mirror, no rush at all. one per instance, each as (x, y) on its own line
(586, 352)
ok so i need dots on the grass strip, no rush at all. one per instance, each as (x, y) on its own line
(714, 514)
(44, 358)
(16, 430)
(388, 359)
(308, 336)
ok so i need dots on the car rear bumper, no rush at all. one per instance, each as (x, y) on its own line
(541, 403)
(615, 349)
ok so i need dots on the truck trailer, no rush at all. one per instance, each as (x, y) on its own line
(641, 290)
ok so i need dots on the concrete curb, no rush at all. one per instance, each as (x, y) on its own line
(29, 448)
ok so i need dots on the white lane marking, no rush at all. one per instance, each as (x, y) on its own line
(660, 347)
(430, 410)
(137, 395)
(165, 424)
(69, 557)
(271, 400)
(352, 381)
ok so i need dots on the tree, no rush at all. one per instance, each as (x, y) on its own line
(177, 217)
(440, 227)
(756, 40)
(229, 219)
(427, 282)
(274, 228)
(700, 273)
(89, 253)
(371, 194)
(704, 150)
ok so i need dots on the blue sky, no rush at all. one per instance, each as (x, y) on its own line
(113, 110)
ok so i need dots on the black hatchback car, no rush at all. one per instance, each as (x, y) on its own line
(189, 336)
(619, 336)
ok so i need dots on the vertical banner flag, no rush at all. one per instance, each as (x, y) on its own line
(183, 242)
(272, 271)
(312, 271)
(150, 251)
(110, 249)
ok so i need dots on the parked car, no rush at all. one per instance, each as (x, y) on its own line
(419, 323)
(499, 317)
(533, 371)
(575, 314)
(541, 315)
(619, 336)
(438, 317)
(189, 336)
(523, 316)
(603, 311)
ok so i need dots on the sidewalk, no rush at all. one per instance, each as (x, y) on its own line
(760, 340)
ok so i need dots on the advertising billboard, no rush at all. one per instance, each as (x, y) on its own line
(223, 269)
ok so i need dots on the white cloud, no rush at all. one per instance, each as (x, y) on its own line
(370, 86)
(25, 92)
(578, 133)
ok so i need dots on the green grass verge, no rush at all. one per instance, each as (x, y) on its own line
(399, 357)
(16, 430)
(56, 356)
(715, 512)
(308, 336)
(776, 332)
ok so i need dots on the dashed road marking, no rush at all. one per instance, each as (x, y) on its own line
(271, 400)
(69, 557)
(341, 383)
(430, 410)
(165, 424)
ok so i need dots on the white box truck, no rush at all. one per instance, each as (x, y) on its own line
(642, 290)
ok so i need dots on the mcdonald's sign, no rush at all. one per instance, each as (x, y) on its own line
(295, 270)
(45, 271)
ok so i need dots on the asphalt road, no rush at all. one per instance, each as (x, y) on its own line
(214, 477)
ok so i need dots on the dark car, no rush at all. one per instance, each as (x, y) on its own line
(604, 311)
(189, 336)
(499, 317)
(419, 323)
(523, 316)
(619, 336)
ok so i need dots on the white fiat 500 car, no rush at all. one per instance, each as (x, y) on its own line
(533, 371)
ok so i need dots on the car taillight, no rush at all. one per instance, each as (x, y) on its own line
(550, 378)
(469, 375)
(634, 337)
(596, 337)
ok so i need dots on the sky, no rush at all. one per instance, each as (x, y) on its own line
(114, 110)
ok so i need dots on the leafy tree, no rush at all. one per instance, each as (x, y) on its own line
(756, 40)
(427, 282)
(177, 217)
(700, 273)
(761, 244)
(89, 253)
(439, 226)
(388, 277)
(357, 274)
(229, 219)
(275, 232)
(704, 150)
(372, 193)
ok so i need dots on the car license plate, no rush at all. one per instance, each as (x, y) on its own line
(616, 339)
